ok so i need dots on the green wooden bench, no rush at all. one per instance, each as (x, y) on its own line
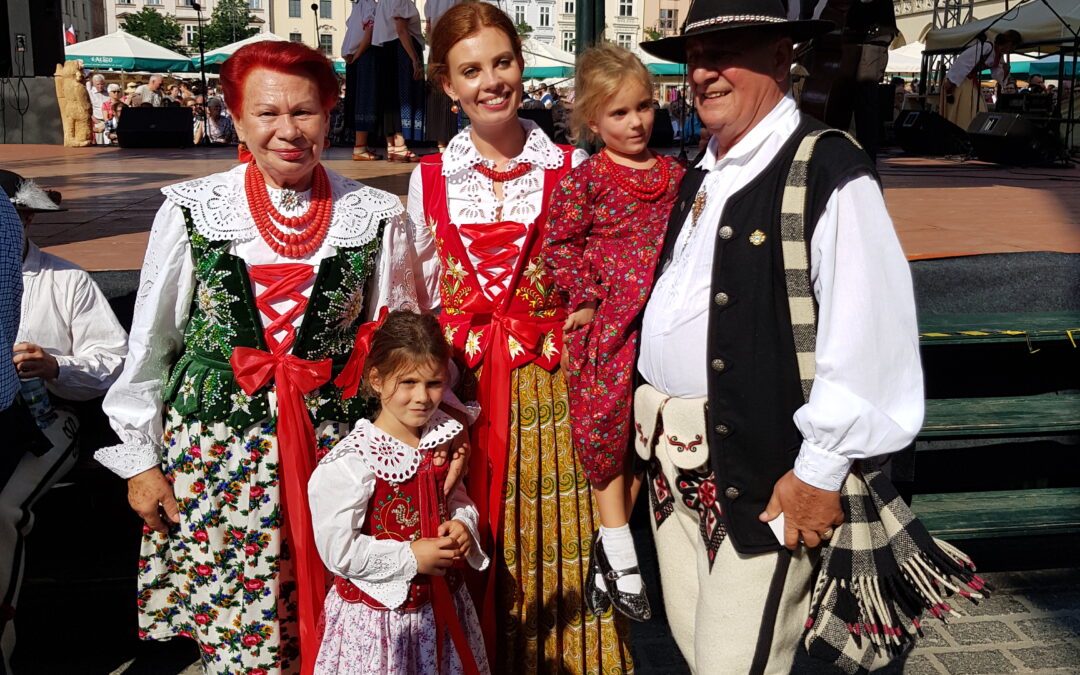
(967, 515)
(973, 515)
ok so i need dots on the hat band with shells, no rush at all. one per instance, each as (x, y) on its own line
(733, 18)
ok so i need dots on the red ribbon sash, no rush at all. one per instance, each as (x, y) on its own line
(442, 601)
(293, 377)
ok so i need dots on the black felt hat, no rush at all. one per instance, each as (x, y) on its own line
(716, 16)
(26, 195)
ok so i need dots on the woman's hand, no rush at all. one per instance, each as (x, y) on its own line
(151, 496)
(457, 451)
(456, 530)
(434, 556)
(417, 70)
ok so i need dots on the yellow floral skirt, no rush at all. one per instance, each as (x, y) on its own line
(544, 625)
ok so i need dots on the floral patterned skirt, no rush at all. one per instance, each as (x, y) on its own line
(359, 640)
(223, 577)
(549, 517)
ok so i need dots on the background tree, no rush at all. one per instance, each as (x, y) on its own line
(161, 29)
(524, 30)
(652, 34)
(229, 22)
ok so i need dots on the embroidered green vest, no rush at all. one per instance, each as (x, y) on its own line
(223, 316)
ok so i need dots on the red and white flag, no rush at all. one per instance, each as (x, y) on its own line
(69, 35)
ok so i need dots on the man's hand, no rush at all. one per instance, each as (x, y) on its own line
(456, 530)
(808, 511)
(33, 361)
(151, 496)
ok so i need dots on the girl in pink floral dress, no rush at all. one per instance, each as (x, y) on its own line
(607, 223)
(384, 527)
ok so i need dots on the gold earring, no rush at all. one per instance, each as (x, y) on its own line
(454, 108)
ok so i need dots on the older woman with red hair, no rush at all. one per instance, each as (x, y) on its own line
(251, 295)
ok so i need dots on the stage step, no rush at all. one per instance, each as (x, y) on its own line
(945, 329)
(1001, 416)
(1011, 513)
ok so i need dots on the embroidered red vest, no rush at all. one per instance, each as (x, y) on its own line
(524, 324)
(405, 512)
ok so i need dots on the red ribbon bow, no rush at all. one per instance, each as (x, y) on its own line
(353, 372)
(293, 377)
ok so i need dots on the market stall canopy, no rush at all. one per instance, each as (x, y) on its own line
(1047, 66)
(1034, 20)
(215, 57)
(543, 61)
(658, 66)
(906, 59)
(124, 51)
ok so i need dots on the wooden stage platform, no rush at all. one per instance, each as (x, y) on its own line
(941, 207)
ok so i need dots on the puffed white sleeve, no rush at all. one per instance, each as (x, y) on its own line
(461, 508)
(577, 157)
(339, 491)
(428, 267)
(867, 396)
(134, 403)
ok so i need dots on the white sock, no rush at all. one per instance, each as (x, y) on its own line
(619, 547)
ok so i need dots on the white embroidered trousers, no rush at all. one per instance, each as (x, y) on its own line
(716, 614)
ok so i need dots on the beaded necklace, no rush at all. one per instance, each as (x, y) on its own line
(648, 190)
(312, 225)
(503, 176)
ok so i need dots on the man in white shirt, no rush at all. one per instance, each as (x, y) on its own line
(150, 93)
(732, 442)
(960, 92)
(70, 338)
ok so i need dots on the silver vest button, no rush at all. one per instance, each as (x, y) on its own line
(721, 429)
(732, 493)
(718, 365)
(721, 298)
(726, 232)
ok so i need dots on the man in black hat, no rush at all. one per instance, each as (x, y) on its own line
(746, 458)
(69, 346)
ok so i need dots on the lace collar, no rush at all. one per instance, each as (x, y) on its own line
(387, 457)
(219, 209)
(539, 151)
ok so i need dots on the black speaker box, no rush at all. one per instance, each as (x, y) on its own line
(145, 127)
(926, 133)
(47, 34)
(663, 136)
(1008, 138)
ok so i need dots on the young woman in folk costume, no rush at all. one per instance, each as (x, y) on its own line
(251, 294)
(479, 212)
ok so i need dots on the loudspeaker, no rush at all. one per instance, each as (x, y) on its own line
(1008, 138)
(663, 136)
(929, 134)
(47, 36)
(145, 127)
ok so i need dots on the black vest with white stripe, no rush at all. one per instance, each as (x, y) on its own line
(753, 378)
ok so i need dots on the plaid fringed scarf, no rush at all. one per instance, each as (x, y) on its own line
(879, 572)
(881, 569)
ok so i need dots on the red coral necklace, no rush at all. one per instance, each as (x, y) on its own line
(647, 191)
(518, 171)
(312, 225)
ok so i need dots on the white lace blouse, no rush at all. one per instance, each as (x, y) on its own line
(471, 197)
(341, 487)
(219, 211)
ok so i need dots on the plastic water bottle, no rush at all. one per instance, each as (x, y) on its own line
(37, 399)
